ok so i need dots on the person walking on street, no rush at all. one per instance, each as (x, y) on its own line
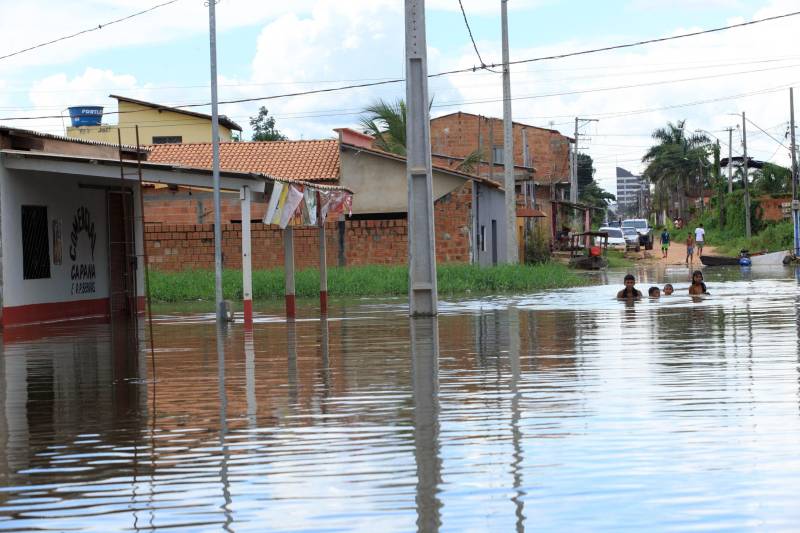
(699, 237)
(664, 243)
(689, 250)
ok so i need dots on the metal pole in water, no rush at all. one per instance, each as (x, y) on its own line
(247, 257)
(795, 201)
(422, 288)
(220, 302)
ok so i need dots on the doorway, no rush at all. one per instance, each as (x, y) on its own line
(121, 255)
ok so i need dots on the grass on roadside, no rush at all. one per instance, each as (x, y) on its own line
(370, 280)
(617, 259)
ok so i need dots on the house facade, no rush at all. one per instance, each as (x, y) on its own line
(157, 124)
(375, 233)
(71, 231)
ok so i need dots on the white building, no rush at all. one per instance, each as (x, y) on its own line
(71, 226)
(631, 193)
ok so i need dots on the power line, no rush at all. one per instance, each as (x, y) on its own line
(99, 27)
(766, 133)
(471, 38)
(633, 44)
(399, 80)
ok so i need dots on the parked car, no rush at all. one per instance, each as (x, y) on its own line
(643, 229)
(631, 238)
(616, 239)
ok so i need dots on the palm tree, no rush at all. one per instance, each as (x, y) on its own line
(675, 165)
(386, 121)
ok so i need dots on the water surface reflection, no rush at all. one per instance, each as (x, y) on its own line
(554, 411)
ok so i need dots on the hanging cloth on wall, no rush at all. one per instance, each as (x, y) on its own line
(309, 207)
(277, 189)
(293, 199)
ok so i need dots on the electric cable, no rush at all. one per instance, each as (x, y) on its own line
(471, 38)
(98, 27)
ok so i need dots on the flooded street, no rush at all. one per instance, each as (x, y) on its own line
(563, 410)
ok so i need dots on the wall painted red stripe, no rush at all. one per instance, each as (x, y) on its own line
(54, 311)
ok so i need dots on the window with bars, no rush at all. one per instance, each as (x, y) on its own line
(35, 242)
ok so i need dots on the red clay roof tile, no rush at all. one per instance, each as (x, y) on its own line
(299, 160)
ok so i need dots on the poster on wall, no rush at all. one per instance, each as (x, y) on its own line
(57, 242)
(83, 272)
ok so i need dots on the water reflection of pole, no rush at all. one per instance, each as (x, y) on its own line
(516, 434)
(325, 359)
(223, 427)
(291, 354)
(250, 377)
(425, 379)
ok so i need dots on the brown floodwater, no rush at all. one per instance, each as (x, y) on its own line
(560, 410)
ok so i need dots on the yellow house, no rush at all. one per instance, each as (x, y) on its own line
(158, 124)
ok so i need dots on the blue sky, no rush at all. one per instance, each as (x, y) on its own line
(268, 48)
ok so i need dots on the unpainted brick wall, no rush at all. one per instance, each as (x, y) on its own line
(179, 245)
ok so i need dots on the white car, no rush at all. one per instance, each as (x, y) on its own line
(616, 239)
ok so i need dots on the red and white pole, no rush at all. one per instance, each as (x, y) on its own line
(247, 263)
(323, 262)
(288, 262)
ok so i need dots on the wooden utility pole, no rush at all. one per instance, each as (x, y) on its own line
(509, 183)
(747, 228)
(422, 288)
(795, 201)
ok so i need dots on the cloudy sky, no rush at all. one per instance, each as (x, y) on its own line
(270, 48)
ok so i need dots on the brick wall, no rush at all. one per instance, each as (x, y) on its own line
(771, 208)
(460, 133)
(175, 242)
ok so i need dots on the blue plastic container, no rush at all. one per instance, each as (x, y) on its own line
(86, 115)
(744, 261)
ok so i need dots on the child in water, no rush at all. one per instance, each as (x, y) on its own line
(630, 290)
(668, 289)
(697, 286)
(654, 292)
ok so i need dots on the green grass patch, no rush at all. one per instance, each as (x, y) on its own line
(370, 280)
(616, 259)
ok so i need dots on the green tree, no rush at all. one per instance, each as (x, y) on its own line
(585, 171)
(772, 179)
(386, 122)
(675, 165)
(264, 127)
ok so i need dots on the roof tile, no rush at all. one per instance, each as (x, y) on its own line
(299, 160)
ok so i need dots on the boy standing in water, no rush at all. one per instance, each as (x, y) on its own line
(630, 291)
(664, 243)
(689, 250)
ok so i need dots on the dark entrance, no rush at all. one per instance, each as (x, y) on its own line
(494, 242)
(121, 255)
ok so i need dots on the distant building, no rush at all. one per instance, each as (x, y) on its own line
(632, 193)
(158, 124)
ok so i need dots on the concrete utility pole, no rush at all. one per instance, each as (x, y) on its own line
(730, 160)
(748, 232)
(422, 289)
(795, 201)
(509, 183)
(220, 302)
(573, 171)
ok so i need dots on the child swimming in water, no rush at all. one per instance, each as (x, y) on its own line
(697, 286)
(668, 289)
(630, 290)
(654, 292)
